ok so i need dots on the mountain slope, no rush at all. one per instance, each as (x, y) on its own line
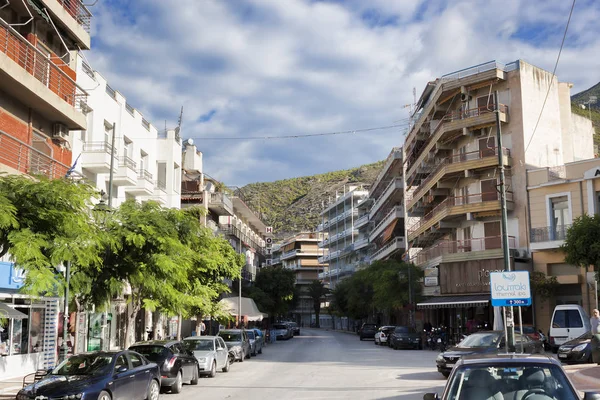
(293, 205)
(583, 97)
(594, 112)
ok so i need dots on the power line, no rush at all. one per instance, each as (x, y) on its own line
(553, 74)
(302, 136)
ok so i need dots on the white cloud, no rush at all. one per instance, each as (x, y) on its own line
(271, 67)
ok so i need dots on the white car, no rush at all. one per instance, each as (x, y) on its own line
(211, 353)
(383, 334)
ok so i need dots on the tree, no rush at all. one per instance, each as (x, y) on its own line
(316, 291)
(277, 283)
(581, 245)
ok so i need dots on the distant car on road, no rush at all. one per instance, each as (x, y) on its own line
(383, 334)
(256, 344)
(211, 353)
(367, 331)
(403, 337)
(238, 343)
(295, 328)
(508, 376)
(576, 351)
(489, 342)
(282, 331)
(177, 364)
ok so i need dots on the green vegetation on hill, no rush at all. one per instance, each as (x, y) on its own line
(583, 97)
(293, 205)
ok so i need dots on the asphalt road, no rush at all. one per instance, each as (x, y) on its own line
(320, 364)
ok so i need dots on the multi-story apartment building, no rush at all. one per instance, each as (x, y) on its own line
(227, 214)
(452, 178)
(40, 102)
(145, 161)
(339, 223)
(301, 253)
(386, 215)
(557, 196)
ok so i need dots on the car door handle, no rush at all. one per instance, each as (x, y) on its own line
(146, 372)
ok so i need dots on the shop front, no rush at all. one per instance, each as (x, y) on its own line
(28, 327)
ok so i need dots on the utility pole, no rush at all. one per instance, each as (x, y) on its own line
(112, 165)
(64, 349)
(508, 311)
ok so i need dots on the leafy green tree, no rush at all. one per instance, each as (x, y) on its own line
(581, 245)
(317, 291)
(392, 281)
(278, 284)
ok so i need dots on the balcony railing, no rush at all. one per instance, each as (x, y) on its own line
(97, 147)
(443, 247)
(79, 12)
(458, 201)
(386, 220)
(399, 241)
(127, 162)
(144, 174)
(24, 158)
(362, 220)
(455, 159)
(37, 64)
(549, 233)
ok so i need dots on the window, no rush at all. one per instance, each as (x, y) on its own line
(108, 127)
(559, 217)
(127, 148)
(567, 319)
(121, 362)
(220, 343)
(136, 361)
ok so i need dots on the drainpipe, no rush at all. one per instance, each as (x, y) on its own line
(528, 231)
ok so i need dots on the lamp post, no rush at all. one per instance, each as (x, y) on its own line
(103, 207)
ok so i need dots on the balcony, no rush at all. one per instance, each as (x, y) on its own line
(457, 163)
(461, 250)
(393, 193)
(21, 157)
(96, 157)
(455, 206)
(126, 173)
(392, 166)
(360, 243)
(32, 78)
(289, 254)
(73, 19)
(394, 214)
(548, 237)
(394, 246)
(341, 235)
(145, 184)
(454, 122)
(362, 221)
(330, 256)
(220, 203)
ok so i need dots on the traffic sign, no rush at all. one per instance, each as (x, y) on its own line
(510, 288)
(269, 229)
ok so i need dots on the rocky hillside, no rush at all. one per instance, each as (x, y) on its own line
(293, 205)
(583, 97)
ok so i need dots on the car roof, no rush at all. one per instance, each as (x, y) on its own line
(101, 352)
(511, 358)
(200, 337)
(164, 343)
(231, 330)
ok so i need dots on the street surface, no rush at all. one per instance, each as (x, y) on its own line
(322, 364)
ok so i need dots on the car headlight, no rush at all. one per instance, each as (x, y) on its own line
(581, 347)
(202, 360)
(74, 396)
(440, 357)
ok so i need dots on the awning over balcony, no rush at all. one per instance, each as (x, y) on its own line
(7, 311)
(455, 301)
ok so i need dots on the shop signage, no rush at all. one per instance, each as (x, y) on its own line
(10, 276)
(468, 277)
(429, 272)
(510, 288)
(431, 291)
(431, 281)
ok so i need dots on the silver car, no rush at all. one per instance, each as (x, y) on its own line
(256, 343)
(211, 353)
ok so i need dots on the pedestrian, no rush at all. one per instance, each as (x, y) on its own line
(595, 323)
(202, 328)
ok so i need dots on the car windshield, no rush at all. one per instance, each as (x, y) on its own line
(152, 353)
(404, 329)
(369, 326)
(231, 336)
(250, 335)
(509, 381)
(200, 344)
(280, 326)
(480, 340)
(84, 364)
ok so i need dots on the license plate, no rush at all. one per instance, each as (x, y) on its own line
(562, 356)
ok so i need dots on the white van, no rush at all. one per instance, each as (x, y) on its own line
(569, 321)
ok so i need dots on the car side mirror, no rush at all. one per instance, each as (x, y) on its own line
(121, 369)
(430, 396)
(591, 396)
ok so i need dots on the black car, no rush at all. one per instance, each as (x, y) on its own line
(367, 331)
(177, 363)
(405, 337)
(578, 350)
(508, 376)
(295, 328)
(102, 375)
(489, 342)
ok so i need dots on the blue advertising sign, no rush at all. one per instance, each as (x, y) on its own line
(510, 288)
(10, 276)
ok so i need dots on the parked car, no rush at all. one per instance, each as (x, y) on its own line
(489, 342)
(211, 353)
(508, 376)
(282, 331)
(260, 335)
(383, 333)
(405, 337)
(177, 364)
(569, 321)
(256, 344)
(237, 341)
(295, 328)
(578, 350)
(101, 375)
(367, 331)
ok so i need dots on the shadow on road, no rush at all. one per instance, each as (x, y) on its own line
(413, 396)
(423, 376)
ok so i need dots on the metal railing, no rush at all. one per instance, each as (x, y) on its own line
(111, 92)
(386, 165)
(26, 159)
(127, 162)
(144, 174)
(385, 220)
(443, 247)
(232, 230)
(146, 124)
(37, 64)
(549, 233)
(97, 147)
(129, 108)
(79, 12)
(397, 241)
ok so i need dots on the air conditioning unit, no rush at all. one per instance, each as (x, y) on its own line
(465, 97)
(60, 131)
(520, 253)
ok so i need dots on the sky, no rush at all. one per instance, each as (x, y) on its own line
(256, 68)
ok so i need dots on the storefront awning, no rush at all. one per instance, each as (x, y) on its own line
(8, 312)
(249, 308)
(455, 301)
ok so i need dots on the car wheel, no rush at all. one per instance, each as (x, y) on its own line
(176, 387)
(213, 370)
(226, 367)
(260, 351)
(153, 391)
(195, 375)
(106, 396)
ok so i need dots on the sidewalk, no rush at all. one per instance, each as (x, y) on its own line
(588, 377)
(10, 387)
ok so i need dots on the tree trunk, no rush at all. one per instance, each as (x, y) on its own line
(155, 322)
(131, 316)
(179, 320)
